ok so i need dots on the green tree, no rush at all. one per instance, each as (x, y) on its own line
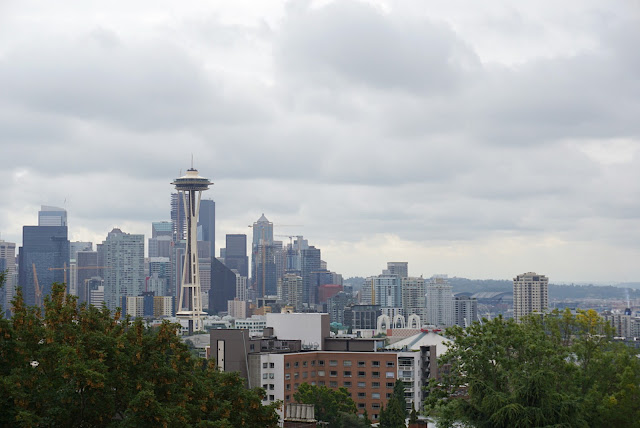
(81, 366)
(396, 411)
(330, 404)
(556, 370)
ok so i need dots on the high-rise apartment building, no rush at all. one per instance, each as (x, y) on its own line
(7, 265)
(439, 302)
(310, 259)
(161, 239)
(291, 290)
(43, 248)
(385, 290)
(398, 268)
(414, 301)
(530, 294)
(465, 310)
(124, 254)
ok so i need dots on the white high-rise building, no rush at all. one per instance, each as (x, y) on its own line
(530, 294)
(440, 302)
(124, 255)
(291, 290)
(465, 310)
(386, 290)
(414, 290)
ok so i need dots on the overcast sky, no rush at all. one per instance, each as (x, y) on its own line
(477, 139)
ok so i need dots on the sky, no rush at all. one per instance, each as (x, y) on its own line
(474, 139)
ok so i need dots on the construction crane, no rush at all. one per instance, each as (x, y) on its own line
(38, 291)
(78, 268)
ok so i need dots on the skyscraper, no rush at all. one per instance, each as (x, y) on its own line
(85, 260)
(178, 224)
(310, 259)
(291, 290)
(530, 294)
(223, 286)
(263, 278)
(207, 225)
(124, 255)
(52, 216)
(465, 310)
(161, 239)
(8, 264)
(236, 254)
(398, 268)
(439, 302)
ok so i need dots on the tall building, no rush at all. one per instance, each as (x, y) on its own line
(414, 301)
(159, 274)
(439, 302)
(236, 254)
(85, 261)
(398, 268)
(465, 310)
(223, 286)
(43, 247)
(207, 225)
(8, 265)
(124, 255)
(178, 223)
(386, 290)
(530, 294)
(291, 290)
(264, 276)
(52, 216)
(161, 239)
(310, 259)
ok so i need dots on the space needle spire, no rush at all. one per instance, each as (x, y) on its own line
(190, 187)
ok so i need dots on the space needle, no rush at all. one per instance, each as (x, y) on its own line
(190, 187)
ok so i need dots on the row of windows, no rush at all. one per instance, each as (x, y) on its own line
(333, 363)
(332, 373)
(346, 384)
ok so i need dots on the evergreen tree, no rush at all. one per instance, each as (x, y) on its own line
(396, 411)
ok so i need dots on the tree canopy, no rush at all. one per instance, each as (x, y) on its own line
(556, 370)
(334, 406)
(81, 366)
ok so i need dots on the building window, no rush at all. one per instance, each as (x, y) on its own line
(388, 395)
(272, 365)
(321, 362)
(296, 375)
(362, 395)
(305, 375)
(271, 398)
(304, 364)
(264, 375)
(296, 364)
(390, 375)
(271, 376)
(347, 373)
(287, 397)
(313, 373)
(375, 406)
(347, 384)
(313, 363)
(375, 374)
(287, 376)
(320, 372)
(321, 383)
(287, 365)
(361, 405)
(375, 363)
(375, 395)
(264, 365)
(390, 364)
(389, 384)
(333, 373)
(346, 363)
(375, 384)
(313, 383)
(362, 364)
(271, 387)
(333, 362)
(361, 374)
(362, 384)
(288, 387)
(333, 384)
(296, 386)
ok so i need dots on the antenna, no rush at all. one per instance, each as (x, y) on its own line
(191, 160)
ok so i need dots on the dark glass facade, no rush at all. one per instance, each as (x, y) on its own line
(223, 286)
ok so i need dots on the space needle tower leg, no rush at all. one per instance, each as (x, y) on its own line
(190, 187)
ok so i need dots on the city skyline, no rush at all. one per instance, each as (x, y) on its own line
(475, 140)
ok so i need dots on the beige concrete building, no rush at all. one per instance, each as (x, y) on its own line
(530, 294)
